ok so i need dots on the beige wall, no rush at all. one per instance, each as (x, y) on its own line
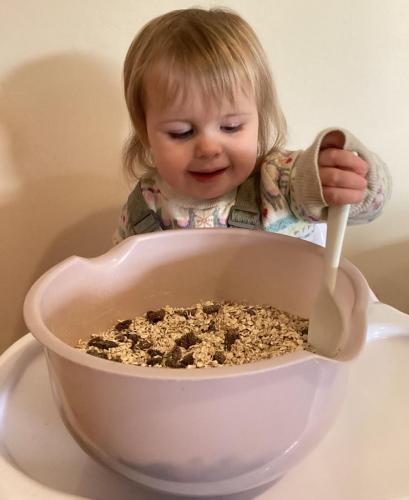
(63, 121)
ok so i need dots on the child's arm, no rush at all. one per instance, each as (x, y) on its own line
(329, 173)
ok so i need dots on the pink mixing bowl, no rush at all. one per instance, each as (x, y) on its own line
(209, 431)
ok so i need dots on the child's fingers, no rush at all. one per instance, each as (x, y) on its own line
(333, 157)
(341, 178)
(342, 196)
(342, 173)
(342, 186)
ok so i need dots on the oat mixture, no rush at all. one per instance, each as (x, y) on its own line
(209, 334)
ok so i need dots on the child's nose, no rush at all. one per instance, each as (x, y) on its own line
(207, 147)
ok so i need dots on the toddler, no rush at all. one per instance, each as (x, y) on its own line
(208, 139)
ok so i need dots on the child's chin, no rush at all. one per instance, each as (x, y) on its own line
(210, 194)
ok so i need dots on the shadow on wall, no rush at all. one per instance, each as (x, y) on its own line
(62, 125)
(388, 267)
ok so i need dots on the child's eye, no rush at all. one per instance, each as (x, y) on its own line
(231, 128)
(181, 135)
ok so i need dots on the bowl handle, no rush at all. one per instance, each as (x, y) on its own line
(385, 321)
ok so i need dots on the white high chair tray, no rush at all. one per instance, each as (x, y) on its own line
(365, 456)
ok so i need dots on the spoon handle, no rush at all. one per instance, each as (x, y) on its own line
(336, 224)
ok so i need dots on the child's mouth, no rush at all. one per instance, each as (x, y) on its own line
(207, 176)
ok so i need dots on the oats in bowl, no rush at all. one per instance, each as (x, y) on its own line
(208, 334)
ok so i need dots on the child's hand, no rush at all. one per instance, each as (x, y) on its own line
(342, 172)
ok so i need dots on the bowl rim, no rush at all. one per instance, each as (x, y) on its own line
(54, 345)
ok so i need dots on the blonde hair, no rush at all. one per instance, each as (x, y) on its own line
(215, 48)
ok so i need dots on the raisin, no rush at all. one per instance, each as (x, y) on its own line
(187, 313)
(155, 316)
(101, 343)
(187, 340)
(123, 325)
(230, 338)
(94, 339)
(170, 363)
(97, 354)
(188, 359)
(121, 338)
(304, 330)
(219, 357)
(251, 311)
(154, 352)
(211, 326)
(144, 344)
(211, 309)
(133, 337)
(182, 312)
(155, 360)
(172, 358)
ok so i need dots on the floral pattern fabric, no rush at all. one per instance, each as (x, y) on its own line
(290, 192)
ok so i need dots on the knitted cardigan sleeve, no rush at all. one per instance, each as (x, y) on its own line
(303, 190)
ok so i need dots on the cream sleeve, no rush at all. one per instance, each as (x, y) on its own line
(306, 196)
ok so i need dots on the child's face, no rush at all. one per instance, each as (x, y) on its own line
(202, 149)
